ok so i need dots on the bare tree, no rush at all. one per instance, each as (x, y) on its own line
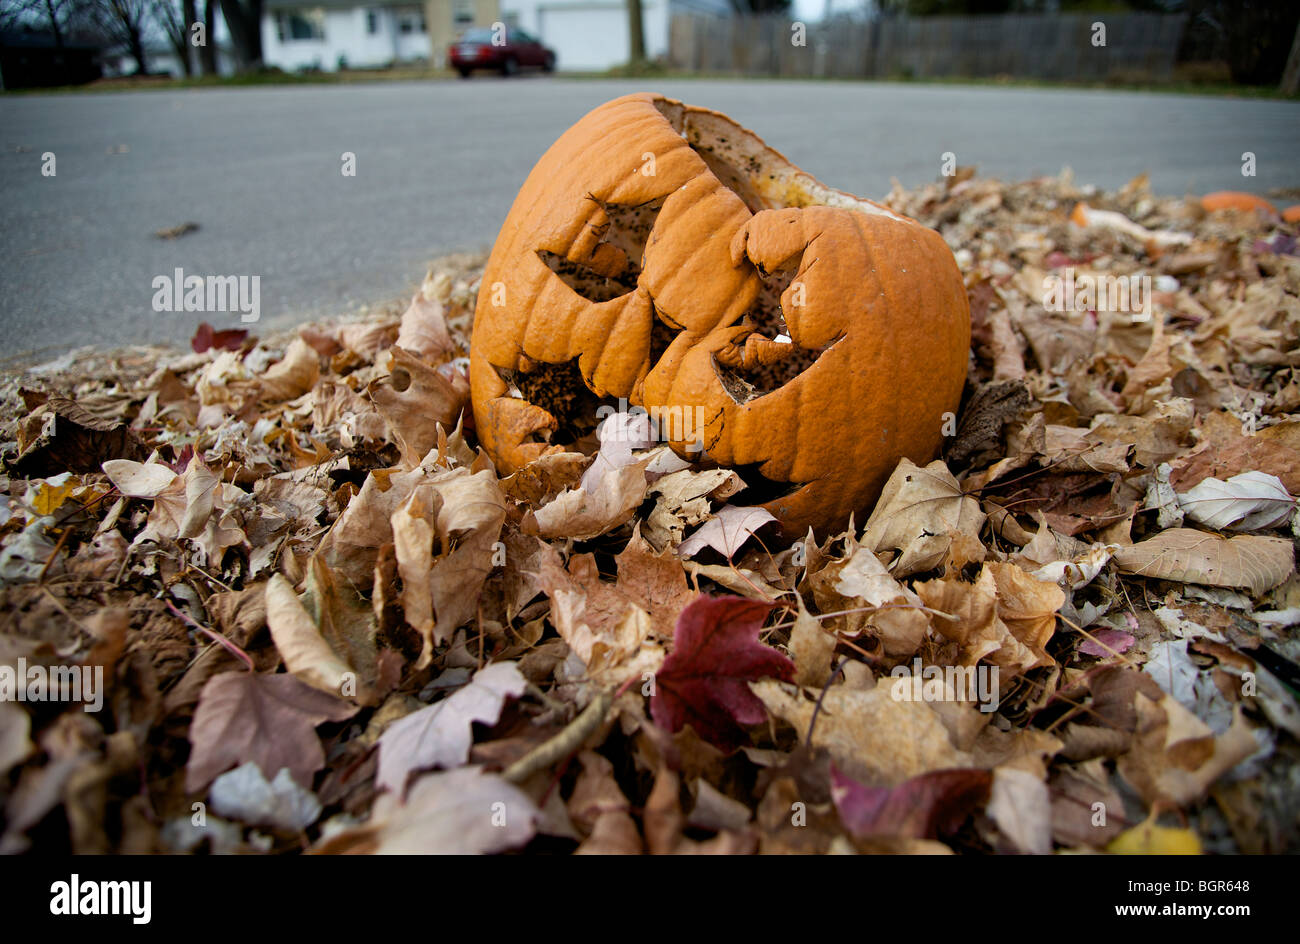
(746, 7)
(124, 23)
(62, 18)
(244, 17)
(208, 51)
(177, 23)
(636, 32)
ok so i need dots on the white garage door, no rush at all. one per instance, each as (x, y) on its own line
(587, 37)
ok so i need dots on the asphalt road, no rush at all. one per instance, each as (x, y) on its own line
(438, 164)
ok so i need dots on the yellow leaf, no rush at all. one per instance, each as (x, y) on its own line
(50, 497)
(1146, 838)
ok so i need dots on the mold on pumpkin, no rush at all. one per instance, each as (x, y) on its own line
(662, 253)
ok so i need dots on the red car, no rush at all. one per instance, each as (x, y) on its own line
(476, 49)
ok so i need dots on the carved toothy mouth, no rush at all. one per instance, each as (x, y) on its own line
(744, 382)
(768, 357)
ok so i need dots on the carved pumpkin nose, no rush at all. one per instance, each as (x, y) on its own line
(663, 253)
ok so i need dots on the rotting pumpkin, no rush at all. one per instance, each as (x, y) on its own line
(662, 253)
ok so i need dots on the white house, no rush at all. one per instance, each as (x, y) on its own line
(593, 35)
(333, 34)
(586, 35)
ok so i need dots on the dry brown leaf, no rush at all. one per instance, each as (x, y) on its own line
(977, 626)
(1156, 436)
(441, 734)
(15, 731)
(460, 812)
(898, 622)
(294, 375)
(352, 544)
(306, 654)
(664, 823)
(414, 399)
(729, 528)
(413, 534)
(1184, 555)
(583, 514)
(811, 647)
(423, 330)
(1175, 757)
(872, 737)
(923, 515)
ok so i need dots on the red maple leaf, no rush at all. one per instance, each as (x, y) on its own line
(704, 681)
(927, 806)
(206, 338)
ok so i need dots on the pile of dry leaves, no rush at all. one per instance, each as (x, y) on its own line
(325, 623)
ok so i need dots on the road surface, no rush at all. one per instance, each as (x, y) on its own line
(438, 164)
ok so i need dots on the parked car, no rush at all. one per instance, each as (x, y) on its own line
(476, 50)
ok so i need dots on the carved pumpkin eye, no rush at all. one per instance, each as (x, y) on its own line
(605, 261)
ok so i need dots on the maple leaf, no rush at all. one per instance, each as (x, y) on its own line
(727, 530)
(925, 807)
(704, 681)
(206, 338)
(270, 719)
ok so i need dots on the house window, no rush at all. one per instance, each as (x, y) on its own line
(300, 24)
(372, 22)
(410, 22)
(462, 12)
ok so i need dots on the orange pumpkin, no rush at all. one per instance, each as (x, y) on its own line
(1292, 213)
(1235, 200)
(662, 253)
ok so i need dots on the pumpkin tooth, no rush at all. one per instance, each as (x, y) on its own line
(757, 351)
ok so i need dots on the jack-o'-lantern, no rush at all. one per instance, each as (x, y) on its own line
(663, 254)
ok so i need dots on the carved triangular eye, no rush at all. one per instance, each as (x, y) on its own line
(605, 260)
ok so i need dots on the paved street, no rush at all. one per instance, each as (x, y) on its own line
(438, 164)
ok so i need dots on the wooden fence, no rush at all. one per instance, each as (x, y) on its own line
(1040, 46)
